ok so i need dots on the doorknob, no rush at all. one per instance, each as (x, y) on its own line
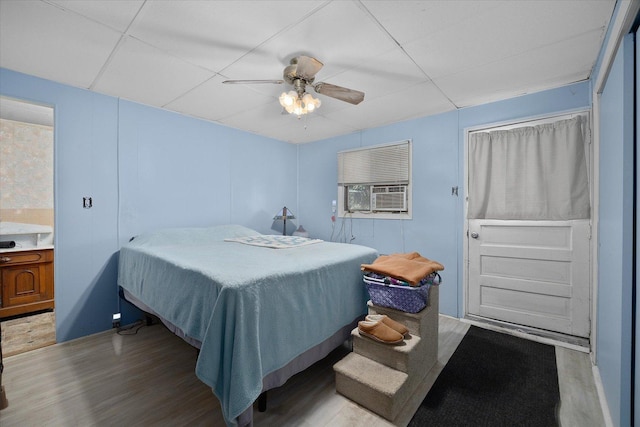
(475, 234)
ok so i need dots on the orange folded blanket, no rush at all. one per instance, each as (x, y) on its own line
(410, 267)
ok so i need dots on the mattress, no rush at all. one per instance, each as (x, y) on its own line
(253, 309)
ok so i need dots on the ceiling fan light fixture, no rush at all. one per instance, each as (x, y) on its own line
(287, 99)
(298, 108)
(294, 104)
(310, 103)
(301, 73)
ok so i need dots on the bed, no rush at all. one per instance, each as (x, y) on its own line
(258, 314)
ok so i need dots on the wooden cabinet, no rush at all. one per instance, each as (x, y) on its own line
(26, 279)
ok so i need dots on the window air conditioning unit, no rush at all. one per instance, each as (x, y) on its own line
(389, 198)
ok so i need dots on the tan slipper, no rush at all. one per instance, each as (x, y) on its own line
(396, 326)
(380, 332)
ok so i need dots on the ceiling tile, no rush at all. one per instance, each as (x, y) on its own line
(384, 74)
(544, 68)
(214, 34)
(513, 28)
(213, 100)
(144, 74)
(116, 14)
(407, 21)
(257, 119)
(410, 58)
(416, 101)
(42, 40)
(308, 128)
(341, 35)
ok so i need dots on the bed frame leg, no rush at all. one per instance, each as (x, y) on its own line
(262, 402)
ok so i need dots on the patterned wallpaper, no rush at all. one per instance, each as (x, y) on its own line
(26, 166)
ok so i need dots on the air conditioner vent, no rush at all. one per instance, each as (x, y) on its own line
(389, 198)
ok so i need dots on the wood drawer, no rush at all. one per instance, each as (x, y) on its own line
(25, 257)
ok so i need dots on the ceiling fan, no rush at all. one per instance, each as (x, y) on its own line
(301, 72)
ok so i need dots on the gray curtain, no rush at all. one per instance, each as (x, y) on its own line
(529, 173)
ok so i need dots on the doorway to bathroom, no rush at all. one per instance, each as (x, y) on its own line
(27, 303)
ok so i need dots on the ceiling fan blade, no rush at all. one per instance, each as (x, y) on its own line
(252, 82)
(351, 96)
(307, 67)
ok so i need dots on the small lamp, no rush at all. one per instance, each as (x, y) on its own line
(284, 215)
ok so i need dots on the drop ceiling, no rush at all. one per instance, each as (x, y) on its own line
(411, 58)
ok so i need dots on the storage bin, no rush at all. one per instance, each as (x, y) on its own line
(410, 299)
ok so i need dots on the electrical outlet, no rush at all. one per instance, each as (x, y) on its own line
(116, 320)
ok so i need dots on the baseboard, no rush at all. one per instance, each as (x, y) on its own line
(608, 421)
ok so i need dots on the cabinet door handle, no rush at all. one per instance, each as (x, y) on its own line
(5, 259)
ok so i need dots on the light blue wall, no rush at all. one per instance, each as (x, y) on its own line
(85, 142)
(437, 227)
(178, 171)
(432, 230)
(144, 168)
(615, 251)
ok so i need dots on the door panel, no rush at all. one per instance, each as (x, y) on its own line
(533, 273)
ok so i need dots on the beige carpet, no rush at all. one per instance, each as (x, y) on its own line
(28, 333)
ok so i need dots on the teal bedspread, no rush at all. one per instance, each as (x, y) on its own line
(254, 309)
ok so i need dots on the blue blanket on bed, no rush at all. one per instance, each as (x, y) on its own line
(254, 309)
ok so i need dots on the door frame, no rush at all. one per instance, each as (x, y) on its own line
(591, 169)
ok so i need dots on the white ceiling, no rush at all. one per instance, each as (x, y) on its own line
(11, 109)
(411, 58)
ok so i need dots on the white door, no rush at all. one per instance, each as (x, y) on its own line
(532, 273)
(530, 263)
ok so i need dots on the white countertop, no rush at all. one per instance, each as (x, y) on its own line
(24, 249)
